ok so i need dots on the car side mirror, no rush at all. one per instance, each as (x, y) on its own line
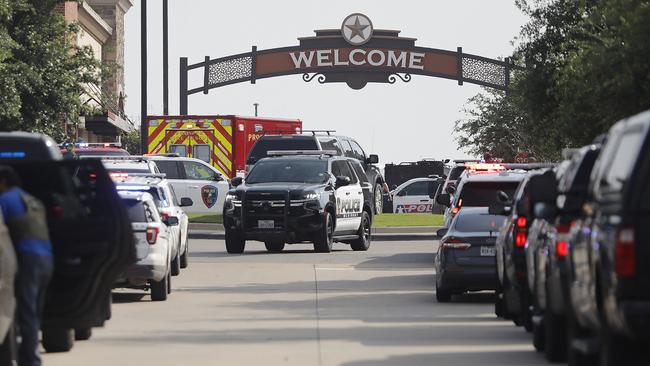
(503, 197)
(450, 189)
(236, 181)
(217, 178)
(171, 221)
(342, 181)
(186, 202)
(500, 209)
(372, 159)
(251, 161)
(444, 199)
(442, 232)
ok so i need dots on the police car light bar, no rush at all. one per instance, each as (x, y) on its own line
(301, 152)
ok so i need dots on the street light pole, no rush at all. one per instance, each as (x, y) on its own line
(143, 77)
(165, 50)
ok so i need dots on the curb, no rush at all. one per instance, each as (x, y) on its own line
(429, 230)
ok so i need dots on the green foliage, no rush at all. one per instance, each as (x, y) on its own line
(42, 72)
(131, 142)
(587, 66)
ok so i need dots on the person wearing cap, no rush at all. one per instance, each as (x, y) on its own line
(25, 218)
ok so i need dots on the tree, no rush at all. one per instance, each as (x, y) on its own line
(42, 72)
(586, 68)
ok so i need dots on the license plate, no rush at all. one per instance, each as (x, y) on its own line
(488, 251)
(265, 224)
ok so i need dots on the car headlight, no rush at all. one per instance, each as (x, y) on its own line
(311, 196)
(232, 200)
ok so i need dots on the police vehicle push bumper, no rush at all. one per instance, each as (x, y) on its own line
(283, 216)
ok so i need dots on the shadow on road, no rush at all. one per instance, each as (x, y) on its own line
(127, 297)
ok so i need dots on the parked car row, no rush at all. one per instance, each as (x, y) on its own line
(576, 273)
(114, 221)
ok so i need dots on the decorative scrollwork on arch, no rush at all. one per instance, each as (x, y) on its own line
(392, 78)
(307, 77)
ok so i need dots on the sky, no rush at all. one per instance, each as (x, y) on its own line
(399, 122)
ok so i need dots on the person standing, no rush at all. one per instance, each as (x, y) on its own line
(25, 218)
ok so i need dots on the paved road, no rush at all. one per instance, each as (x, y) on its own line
(300, 308)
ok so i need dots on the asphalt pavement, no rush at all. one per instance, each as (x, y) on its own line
(302, 308)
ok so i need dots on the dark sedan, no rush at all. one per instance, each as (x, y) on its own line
(466, 255)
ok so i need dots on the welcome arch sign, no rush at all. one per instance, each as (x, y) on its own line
(355, 54)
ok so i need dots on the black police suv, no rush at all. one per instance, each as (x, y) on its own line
(340, 145)
(298, 196)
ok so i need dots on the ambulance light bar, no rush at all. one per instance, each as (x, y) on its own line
(301, 152)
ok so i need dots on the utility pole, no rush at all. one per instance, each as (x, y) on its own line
(143, 76)
(256, 104)
(165, 50)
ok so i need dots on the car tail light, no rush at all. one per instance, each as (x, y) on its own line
(520, 231)
(152, 235)
(562, 249)
(521, 222)
(625, 253)
(57, 211)
(453, 243)
(455, 210)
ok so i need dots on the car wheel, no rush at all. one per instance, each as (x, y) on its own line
(234, 242)
(365, 235)
(58, 339)
(324, 239)
(576, 357)
(9, 347)
(443, 295)
(539, 335)
(614, 348)
(379, 199)
(184, 258)
(274, 246)
(176, 265)
(83, 334)
(159, 289)
(555, 333)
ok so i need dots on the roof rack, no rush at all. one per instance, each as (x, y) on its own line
(167, 155)
(301, 152)
(314, 132)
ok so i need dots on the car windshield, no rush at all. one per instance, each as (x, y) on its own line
(477, 222)
(135, 210)
(483, 194)
(23, 149)
(295, 171)
(263, 146)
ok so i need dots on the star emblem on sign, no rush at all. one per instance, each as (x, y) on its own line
(357, 29)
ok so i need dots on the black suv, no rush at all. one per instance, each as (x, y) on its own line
(609, 253)
(343, 146)
(303, 196)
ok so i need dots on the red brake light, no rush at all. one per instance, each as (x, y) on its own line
(152, 235)
(625, 253)
(562, 249)
(455, 210)
(520, 239)
(521, 222)
(57, 211)
(164, 215)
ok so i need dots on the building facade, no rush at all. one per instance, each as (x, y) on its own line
(102, 29)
